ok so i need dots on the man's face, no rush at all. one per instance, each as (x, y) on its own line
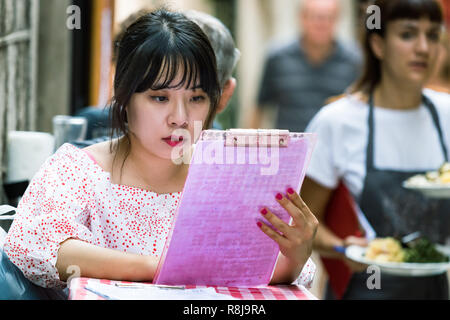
(318, 19)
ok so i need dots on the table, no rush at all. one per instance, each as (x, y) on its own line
(78, 291)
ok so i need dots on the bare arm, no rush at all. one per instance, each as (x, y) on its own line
(103, 263)
(317, 198)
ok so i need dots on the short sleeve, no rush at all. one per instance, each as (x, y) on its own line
(266, 92)
(53, 209)
(322, 166)
(306, 277)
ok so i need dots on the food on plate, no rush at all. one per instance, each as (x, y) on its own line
(431, 178)
(423, 250)
(385, 250)
(390, 250)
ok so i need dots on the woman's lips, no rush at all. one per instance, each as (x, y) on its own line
(173, 141)
(419, 65)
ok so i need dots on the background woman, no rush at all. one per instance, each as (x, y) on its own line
(388, 129)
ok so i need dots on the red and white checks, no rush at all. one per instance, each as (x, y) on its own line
(78, 291)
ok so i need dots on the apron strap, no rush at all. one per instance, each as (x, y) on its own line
(370, 139)
(370, 143)
(429, 104)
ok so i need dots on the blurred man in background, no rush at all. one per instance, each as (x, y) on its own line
(299, 77)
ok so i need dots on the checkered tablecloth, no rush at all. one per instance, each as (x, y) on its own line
(78, 291)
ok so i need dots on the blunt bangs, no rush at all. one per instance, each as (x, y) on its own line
(170, 69)
(392, 10)
(162, 56)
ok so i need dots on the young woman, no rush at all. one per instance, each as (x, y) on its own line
(388, 129)
(107, 209)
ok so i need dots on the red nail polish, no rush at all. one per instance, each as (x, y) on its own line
(290, 191)
(259, 224)
(264, 211)
(279, 196)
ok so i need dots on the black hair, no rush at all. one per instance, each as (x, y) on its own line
(391, 10)
(152, 52)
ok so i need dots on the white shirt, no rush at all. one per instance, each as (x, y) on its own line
(404, 140)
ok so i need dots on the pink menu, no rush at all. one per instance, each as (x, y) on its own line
(214, 239)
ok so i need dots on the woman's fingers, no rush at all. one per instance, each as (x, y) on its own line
(305, 223)
(296, 214)
(278, 238)
(299, 203)
(276, 222)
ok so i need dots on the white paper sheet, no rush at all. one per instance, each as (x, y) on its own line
(152, 292)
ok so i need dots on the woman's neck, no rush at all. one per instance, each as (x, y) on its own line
(144, 170)
(392, 94)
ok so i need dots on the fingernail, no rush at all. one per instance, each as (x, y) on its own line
(290, 191)
(264, 211)
(279, 196)
(259, 224)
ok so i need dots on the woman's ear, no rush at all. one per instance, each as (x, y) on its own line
(227, 93)
(377, 45)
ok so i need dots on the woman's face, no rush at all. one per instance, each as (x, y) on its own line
(158, 118)
(409, 50)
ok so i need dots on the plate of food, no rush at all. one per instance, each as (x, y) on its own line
(433, 184)
(420, 258)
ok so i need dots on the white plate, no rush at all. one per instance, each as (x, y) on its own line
(441, 192)
(357, 253)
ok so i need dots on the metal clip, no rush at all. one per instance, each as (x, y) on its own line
(257, 138)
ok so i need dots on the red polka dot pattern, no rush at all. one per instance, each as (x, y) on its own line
(72, 197)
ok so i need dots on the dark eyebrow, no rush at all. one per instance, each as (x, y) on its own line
(409, 25)
(415, 25)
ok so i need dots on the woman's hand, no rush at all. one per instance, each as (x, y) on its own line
(295, 241)
(353, 265)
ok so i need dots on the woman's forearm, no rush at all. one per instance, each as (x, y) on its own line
(286, 271)
(325, 241)
(103, 263)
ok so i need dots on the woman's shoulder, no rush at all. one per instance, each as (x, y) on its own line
(101, 153)
(440, 99)
(67, 164)
(340, 110)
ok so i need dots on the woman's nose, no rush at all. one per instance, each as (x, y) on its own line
(178, 117)
(422, 44)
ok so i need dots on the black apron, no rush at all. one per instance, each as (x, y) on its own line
(395, 211)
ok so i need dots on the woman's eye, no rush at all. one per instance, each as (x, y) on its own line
(434, 36)
(407, 35)
(159, 98)
(198, 98)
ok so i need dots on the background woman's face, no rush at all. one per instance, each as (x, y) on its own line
(410, 49)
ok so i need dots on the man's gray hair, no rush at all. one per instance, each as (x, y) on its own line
(227, 55)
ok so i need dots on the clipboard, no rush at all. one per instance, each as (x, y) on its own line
(214, 238)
